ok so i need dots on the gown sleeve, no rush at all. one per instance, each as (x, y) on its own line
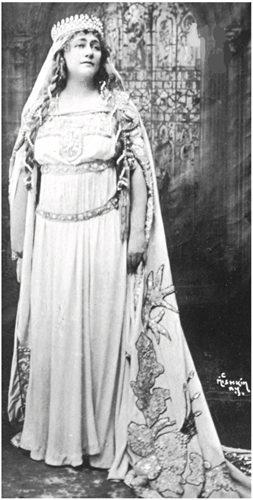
(18, 197)
(137, 150)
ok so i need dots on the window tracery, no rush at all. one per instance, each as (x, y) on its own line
(158, 55)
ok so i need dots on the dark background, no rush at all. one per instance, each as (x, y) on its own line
(203, 168)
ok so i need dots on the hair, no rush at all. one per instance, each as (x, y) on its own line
(58, 82)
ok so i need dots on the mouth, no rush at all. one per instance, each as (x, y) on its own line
(88, 62)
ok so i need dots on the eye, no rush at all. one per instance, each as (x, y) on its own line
(96, 47)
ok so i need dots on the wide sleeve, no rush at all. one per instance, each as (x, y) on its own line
(138, 151)
(18, 197)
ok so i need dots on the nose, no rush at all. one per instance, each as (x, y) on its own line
(88, 51)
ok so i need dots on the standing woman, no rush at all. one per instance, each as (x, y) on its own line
(101, 367)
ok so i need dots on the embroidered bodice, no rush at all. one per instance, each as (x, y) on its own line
(76, 152)
(75, 138)
(77, 155)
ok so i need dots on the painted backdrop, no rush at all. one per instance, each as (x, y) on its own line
(195, 103)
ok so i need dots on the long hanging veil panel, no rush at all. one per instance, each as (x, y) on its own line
(172, 442)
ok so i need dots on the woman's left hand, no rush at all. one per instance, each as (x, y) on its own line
(137, 250)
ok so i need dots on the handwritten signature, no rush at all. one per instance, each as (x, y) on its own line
(239, 387)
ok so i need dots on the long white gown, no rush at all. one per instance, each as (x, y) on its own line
(77, 295)
(111, 374)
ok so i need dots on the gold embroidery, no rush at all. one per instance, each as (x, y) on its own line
(155, 297)
(110, 205)
(72, 130)
(241, 460)
(23, 368)
(217, 479)
(93, 166)
(89, 123)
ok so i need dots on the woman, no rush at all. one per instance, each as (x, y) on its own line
(110, 376)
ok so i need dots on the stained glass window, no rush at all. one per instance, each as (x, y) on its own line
(156, 48)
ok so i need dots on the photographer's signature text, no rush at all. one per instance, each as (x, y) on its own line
(239, 387)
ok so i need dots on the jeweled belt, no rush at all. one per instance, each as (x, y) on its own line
(91, 166)
(110, 205)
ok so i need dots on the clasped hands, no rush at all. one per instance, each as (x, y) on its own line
(137, 250)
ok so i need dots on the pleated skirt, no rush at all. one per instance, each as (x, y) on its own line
(78, 291)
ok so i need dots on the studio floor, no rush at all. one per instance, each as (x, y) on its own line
(218, 337)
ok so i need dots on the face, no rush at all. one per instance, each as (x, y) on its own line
(83, 55)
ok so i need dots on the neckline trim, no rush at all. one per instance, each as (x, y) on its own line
(54, 109)
(88, 111)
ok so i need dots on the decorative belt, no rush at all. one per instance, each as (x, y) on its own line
(110, 205)
(91, 166)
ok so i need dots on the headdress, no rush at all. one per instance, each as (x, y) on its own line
(61, 32)
(76, 23)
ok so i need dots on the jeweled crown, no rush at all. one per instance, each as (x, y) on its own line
(77, 23)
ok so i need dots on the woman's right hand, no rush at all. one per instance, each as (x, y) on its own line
(137, 250)
(19, 269)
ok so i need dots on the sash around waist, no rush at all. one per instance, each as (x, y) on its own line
(111, 204)
(89, 166)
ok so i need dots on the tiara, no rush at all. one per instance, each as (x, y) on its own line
(77, 23)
